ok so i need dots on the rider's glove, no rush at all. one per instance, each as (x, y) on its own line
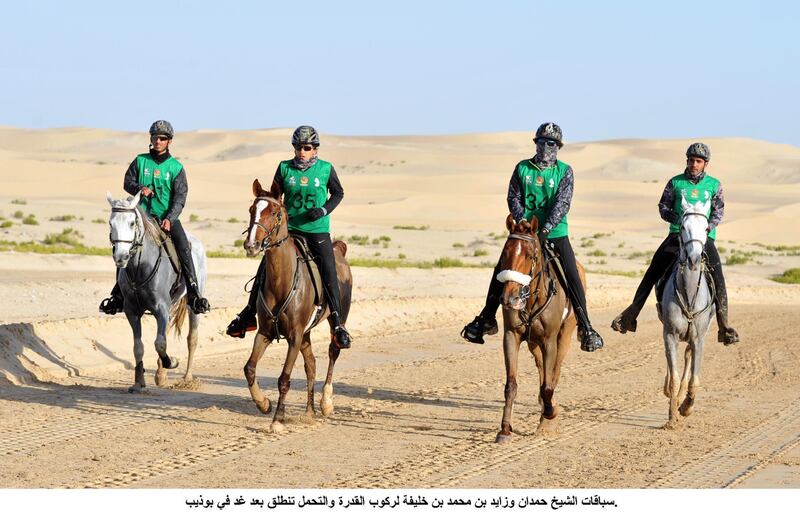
(316, 213)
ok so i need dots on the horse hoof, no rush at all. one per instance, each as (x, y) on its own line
(277, 428)
(686, 408)
(136, 388)
(173, 363)
(326, 404)
(161, 377)
(502, 438)
(671, 425)
(265, 406)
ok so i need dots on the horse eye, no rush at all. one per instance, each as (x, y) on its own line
(131, 225)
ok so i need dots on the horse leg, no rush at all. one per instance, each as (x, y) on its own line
(671, 385)
(295, 341)
(191, 342)
(688, 354)
(260, 344)
(564, 342)
(694, 382)
(549, 354)
(138, 352)
(326, 404)
(310, 365)
(536, 350)
(511, 342)
(165, 362)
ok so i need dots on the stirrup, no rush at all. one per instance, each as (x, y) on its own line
(199, 305)
(243, 323)
(341, 338)
(728, 336)
(480, 326)
(624, 323)
(591, 341)
(111, 305)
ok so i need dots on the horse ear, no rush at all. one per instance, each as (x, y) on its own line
(110, 199)
(534, 224)
(510, 223)
(135, 200)
(257, 188)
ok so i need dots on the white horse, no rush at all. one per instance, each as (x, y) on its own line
(145, 277)
(686, 309)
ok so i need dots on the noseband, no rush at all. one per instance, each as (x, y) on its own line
(266, 243)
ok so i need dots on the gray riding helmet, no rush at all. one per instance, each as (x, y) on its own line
(162, 127)
(700, 150)
(305, 135)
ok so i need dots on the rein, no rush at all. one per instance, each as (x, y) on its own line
(266, 242)
(136, 243)
(525, 292)
(680, 295)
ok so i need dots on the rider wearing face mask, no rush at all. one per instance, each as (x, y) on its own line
(694, 185)
(542, 186)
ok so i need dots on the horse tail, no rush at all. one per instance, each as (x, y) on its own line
(177, 315)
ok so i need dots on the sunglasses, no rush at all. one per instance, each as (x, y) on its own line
(304, 147)
(159, 138)
(548, 143)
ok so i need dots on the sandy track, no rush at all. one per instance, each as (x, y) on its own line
(420, 409)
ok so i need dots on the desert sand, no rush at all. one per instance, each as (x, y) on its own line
(415, 405)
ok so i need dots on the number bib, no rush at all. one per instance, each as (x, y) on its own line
(304, 190)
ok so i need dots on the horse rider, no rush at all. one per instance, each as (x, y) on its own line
(694, 185)
(304, 182)
(542, 186)
(162, 181)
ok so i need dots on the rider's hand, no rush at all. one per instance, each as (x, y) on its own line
(166, 225)
(543, 233)
(316, 213)
(146, 192)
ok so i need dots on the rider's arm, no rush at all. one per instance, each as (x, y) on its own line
(515, 201)
(277, 184)
(666, 203)
(180, 188)
(131, 182)
(717, 209)
(336, 191)
(563, 200)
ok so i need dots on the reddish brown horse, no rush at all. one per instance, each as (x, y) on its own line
(536, 309)
(286, 304)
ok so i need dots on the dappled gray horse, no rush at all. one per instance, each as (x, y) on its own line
(145, 277)
(686, 310)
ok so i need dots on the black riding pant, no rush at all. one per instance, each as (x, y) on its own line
(181, 242)
(575, 289)
(321, 247)
(666, 255)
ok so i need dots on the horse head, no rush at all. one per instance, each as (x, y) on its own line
(125, 228)
(268, 219)
(693, 233)
(520, 261)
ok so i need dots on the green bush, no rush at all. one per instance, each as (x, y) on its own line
(63, 218)
(193, 218)
(68, 236)
(31, 220)
(459, 245)
(721, 249)
(597, 253)
(410, 227)
(6, 224)
(238, 243)
(637, 254)
(448, 262)
(401, 256)
(480, 253)
(385, 238)
(18, 214)
(234, 220)
(18, 202)
(587, 243)
(99, 221)
(790, 276)
(736, 259)
(600, 235)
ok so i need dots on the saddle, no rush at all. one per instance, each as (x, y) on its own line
(662, 281)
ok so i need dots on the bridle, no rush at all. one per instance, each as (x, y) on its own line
(680, 296)
(138, 235)
(267, 243)
(525, 290)
(136, 243)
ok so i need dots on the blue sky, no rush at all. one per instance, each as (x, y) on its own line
(602, 70)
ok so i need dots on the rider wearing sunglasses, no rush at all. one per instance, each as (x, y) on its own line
(304, 182)
(162, 182)
(695, 185)
(542, 186)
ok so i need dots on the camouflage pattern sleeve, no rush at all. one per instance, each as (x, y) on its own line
(277, 184)
(516, 206)
(336, 191)
(563, 200)
(666, 203)
(717, 209)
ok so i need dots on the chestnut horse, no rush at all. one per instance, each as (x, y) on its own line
(536, 309)
(286, 304)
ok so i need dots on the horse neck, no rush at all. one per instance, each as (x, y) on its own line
(280, 259)
(147, 253)
(539, 283)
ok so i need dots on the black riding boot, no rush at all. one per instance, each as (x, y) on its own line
(663, 258)
(246, 320)
(114, 303)
(486, 322)
(727, 335)
(196, 302)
